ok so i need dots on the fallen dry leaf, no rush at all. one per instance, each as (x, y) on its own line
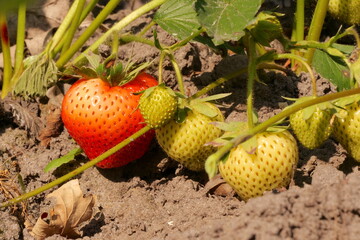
(71, 209)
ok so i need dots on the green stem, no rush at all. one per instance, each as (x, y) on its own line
(218, 82)
(250, 82)
(146, 28)
(89, 7)
(61, 31)
(110, 6)
(20, 37)
(305, 64)
(78, 170)
(178, 74)
(299, 19)
(73, 26)
(120, 25)
(135, 38)
(316, 26)
(161, 62)
(232, 75)
(213, 160)
(84, 14)
(5, 44)
(183, 42)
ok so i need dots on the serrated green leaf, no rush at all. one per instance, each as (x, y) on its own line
(178, 17)
(204, 108)
(332, 68)
(64, 159)
(225, 20)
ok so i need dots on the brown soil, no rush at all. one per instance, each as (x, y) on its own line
(156, 198)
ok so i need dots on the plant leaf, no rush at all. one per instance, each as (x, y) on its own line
(37, 77)
(71, 209)
(332, 68)
(64, 159)
(212, 97)
(178, 17)
(225, 20)
(204, 108)
(266, 28)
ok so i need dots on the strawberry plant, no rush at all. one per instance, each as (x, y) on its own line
(119, 119)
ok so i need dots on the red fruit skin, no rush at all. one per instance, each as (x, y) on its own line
(99, 116)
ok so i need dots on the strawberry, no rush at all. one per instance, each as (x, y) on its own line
(312, 126)
(158, 105)
(347, 129)
(346, 11)
(99, 116)
(185, 142)
(271, 165)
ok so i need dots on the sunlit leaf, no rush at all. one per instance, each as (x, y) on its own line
(332, 68)
(178, 17)
(64, 159)
(225, 20)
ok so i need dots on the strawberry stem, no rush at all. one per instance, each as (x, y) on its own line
(73, 26)
(116, 28)
(316, 26)
(78, 170)
(5, 44)
(161, 62)
(61, 31)
(251, 49)
(20, 37)
(178, 74)
(67, 55)
(146, 28)
(213, 160)
(298, 30)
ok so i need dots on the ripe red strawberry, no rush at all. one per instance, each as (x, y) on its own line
(271, 166)
(99, 116)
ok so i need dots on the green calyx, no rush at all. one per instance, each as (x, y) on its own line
(111, 71)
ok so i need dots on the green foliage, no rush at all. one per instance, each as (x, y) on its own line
(332, 68)
(177, 17)
(64, 159)
(225, 20)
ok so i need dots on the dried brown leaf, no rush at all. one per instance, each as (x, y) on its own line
(52, 128)
(23, 116)
(71, 209)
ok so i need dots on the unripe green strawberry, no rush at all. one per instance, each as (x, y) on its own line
(313, 130)
(346, 11)
(270, 167)
(158, 105)
(184, 142)
(347, 129)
